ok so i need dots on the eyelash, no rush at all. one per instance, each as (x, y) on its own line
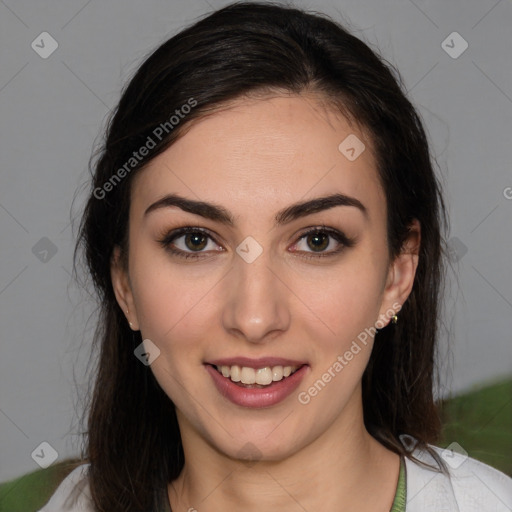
(340, 237)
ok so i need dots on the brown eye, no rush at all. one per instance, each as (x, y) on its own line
(188, 242)
(317, 240)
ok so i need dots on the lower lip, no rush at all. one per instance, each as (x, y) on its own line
(257, 397)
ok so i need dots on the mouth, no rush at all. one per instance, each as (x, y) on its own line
(259, 378)
(265, 383)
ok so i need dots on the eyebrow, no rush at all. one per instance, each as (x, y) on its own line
(290, 213)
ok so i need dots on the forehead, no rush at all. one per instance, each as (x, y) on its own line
(256, 153)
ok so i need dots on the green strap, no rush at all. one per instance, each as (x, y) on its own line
(401, 490)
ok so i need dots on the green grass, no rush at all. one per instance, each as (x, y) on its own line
(480, 421)
(30, 492)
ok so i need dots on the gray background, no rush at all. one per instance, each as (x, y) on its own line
(53, 109)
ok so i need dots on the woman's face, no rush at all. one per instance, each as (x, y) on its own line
(258, 287)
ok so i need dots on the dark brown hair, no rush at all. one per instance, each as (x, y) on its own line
(134, 443)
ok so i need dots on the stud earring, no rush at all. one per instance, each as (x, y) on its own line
(131, 325)
(394, 319)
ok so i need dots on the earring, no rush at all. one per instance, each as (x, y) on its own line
(394, 319)
(131, 325)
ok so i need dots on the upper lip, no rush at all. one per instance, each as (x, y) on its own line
(262, 362)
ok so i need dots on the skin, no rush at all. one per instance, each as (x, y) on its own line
(254, 158)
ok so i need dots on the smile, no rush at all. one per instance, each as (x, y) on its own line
(243, 393)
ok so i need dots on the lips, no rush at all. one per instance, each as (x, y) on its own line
(256, 397)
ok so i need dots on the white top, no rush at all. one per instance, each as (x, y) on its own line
(471, 487)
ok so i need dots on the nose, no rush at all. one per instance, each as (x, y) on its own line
(257, 305)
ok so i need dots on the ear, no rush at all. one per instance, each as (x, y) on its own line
(401, 274)
(122, 288)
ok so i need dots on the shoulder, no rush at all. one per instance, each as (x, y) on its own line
(470, 485)
(73, 494)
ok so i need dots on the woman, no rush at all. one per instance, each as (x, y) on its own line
(264, 232)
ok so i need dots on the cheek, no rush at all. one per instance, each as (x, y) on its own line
(173, 307)
(174, 312)
(169, 297)
(340, 302)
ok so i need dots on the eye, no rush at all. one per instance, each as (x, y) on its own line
(320, 238)
(194, 240)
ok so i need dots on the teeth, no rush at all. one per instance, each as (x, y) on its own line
(236, 374)
(248, 375)
(277, 373)
(262, 376)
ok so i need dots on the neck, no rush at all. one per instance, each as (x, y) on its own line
(343, 469)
